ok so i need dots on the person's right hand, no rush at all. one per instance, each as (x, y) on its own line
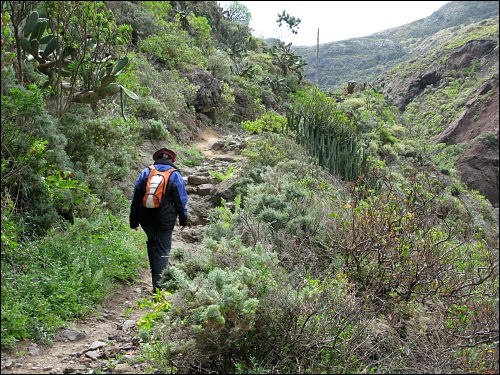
(182, 228)
(136, 228)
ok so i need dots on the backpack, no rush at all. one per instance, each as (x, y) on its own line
(156, 187)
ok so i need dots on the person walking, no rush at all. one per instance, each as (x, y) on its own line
(158, 219)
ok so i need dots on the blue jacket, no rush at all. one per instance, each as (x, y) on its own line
(174, 204)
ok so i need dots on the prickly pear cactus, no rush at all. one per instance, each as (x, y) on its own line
(43, 47)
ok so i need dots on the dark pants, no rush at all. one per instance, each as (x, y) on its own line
(159, 243)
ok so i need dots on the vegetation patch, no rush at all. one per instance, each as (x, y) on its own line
(63, 275)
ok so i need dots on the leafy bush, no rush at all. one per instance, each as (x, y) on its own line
(268, 122)
(219, 64)
(150, 108)
(102, 150)
(271, 149)
(156, 130)
(387, 137)
(189, 156)
(223, 176)
(226, 307)
(173, 47)
(64, 275)
(32, 150)
(163, 93)
(128, 12)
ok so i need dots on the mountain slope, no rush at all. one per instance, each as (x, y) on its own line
(362, 59)
(449, 95)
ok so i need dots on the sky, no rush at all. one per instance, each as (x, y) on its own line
(336, 20)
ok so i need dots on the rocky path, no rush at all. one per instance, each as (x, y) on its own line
(107, 341)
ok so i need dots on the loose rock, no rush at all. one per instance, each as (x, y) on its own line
(33, 350)
(72, 334)
(96, 345)
(128, 324)
(205, 189)
(94, 355)
(123, 368)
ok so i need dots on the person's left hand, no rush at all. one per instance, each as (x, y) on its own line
(182, 228)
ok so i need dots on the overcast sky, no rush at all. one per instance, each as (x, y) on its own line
(336, 20)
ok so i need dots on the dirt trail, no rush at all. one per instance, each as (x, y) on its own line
(110, 343)
(204, 143)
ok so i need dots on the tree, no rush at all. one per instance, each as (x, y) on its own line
(239, 13)
(282, 52)
(286, 60)
(290, 21)
(18, 11)
(76, 44)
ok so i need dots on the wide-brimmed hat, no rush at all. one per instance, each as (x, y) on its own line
(162, 151)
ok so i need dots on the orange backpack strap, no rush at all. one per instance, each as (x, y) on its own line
(148, 184)
(167, 174)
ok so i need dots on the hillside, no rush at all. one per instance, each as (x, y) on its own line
(362, 59)
(450, 94)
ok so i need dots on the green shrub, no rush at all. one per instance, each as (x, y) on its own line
(64, 275)
(150, 108)
(127, 12)
(163, 94)
(219, 64)
(102, 150)
(32, 150)
(268, 122)
(353, 104)
(271, 149)
(156, 130)
(223, 176)
(386, 136)
(226, 106)
(238, 300)
(174, 48)
(329, 135)
(304, 249)
(189, 156)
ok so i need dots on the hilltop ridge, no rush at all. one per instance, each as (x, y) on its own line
(364, 58)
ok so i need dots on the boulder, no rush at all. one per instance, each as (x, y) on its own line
(33, 350)
(224, 189)
(127, 324)
(204, 178)
(209, 92)
(198, 210)
(205, 189)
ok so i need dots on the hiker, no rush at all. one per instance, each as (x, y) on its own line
(157, 212)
